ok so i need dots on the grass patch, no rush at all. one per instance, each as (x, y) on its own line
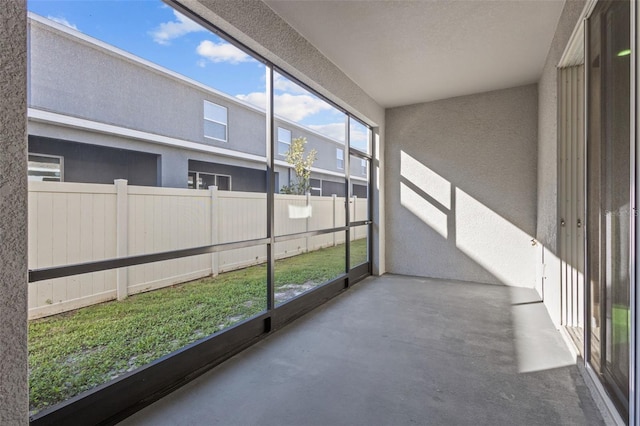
(76, 351)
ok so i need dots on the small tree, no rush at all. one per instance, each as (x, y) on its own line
(301, 166)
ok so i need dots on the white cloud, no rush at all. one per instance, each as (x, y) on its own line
(63, 21)
(359, 137)
(222, 52)
(293, 107)
(286, 85)
(332, 130)
(258, 99)
(167, 31)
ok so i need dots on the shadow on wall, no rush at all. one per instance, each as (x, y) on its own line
(461, 205)
(462, 188)
(493, 243)
(499, 247)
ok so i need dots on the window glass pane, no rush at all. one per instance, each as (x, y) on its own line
(206, 180)
(284, 135)
(609, 189)
(215, 112)
(316, 187)
(284, 140)
(215, 130)
(359, 253)
(340, 159)
(125, 64)
(359, 203)
(359, 136)
(224, 183)
(43, 168)
(81, 349)
(312, 191)
(307, 263)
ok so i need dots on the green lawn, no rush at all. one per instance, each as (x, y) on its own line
(75, 351)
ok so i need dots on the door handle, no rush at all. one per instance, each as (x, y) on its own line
(561, 222)
(579, 223)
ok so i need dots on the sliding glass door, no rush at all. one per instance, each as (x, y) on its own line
(609, 196)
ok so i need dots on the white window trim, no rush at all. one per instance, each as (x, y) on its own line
(284, 142)
(59, 157)
(226, 125)
(339, 157)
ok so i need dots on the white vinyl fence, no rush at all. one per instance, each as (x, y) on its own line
(76, 222)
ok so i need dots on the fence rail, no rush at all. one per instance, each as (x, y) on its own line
(76, 222)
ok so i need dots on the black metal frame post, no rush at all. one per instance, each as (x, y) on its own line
(270, 197)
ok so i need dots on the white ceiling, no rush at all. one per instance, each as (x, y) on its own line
(405, 52)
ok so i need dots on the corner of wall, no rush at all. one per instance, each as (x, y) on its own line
(14, 394)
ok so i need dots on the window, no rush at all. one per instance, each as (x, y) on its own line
(340, 158)
(359, 136)
(363, 166)
(215, 121)
(46, 168)
(190, 248)
(316, 187)
(198, 180)
(284, 140)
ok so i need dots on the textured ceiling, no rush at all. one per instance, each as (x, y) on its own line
(405, 52)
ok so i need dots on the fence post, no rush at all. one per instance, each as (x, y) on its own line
(333, 198)
(308, 239)
(122, 235)
(215, 215)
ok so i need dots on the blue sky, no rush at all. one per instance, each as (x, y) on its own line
(153, 31)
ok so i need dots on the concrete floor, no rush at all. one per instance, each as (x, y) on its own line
(396, 350)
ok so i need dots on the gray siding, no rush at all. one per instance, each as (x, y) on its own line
(97, 164)
(73, 77)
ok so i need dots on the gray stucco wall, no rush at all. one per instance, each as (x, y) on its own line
(14, 399)
(547, 226)
(461, 187)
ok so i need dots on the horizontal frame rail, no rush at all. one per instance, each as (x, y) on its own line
(121, 262)
(289, 237)
(360, 223)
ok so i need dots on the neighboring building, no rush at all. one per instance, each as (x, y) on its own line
(97, 113)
